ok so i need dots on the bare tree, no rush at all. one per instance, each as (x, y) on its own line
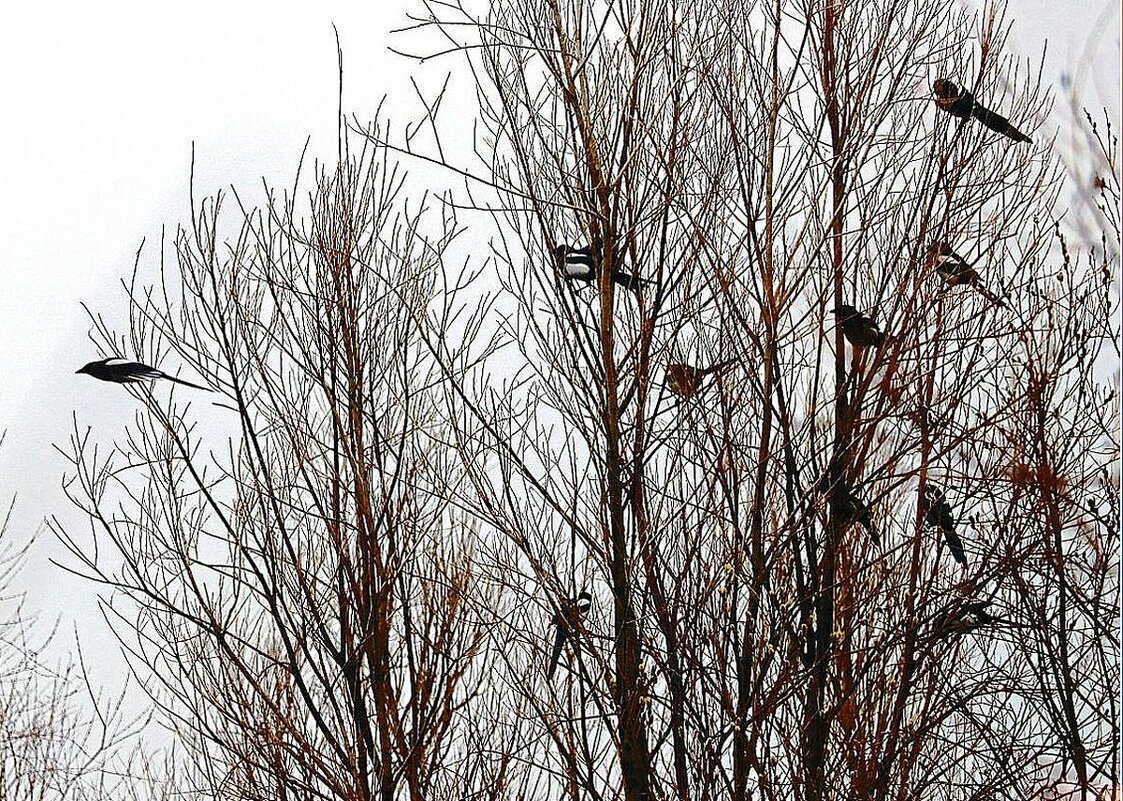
(764, 472)
(60, 738)
(297, 598)
(781, 616)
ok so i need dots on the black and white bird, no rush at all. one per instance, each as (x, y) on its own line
(849, 507)
(859, 329)
(967, 617)
(958, 102)
(583, 264)
(957, 271)
(938, 515)
(854, 510)
(567, 622)
(121, 371)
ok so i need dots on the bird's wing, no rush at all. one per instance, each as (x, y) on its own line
(135, 371)
(997, 123)
(960, 106)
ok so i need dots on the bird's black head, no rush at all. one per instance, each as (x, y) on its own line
(584, 602)
(845, 310)
(945, 89)
(89, 368)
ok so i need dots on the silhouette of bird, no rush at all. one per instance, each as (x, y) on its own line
(583, 264)
(685, 380)
(967, 617)
(851, 508)
(854, 510)
(859, 330)
(120, 371)
(957, 271)
(958, 102)
(567, 622)
(938, 515)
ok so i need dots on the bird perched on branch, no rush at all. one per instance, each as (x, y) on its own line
(957, 271)
(958, 102)
(859, 329)
(685, 380)
(967, 617)
(583, 264)
(938, 515)
(850, 508)
(854, 510)
(567, 622)
(120, 371)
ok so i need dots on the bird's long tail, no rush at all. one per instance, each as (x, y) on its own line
(185, 383)
(956, 545)
(867, 523)
(986, 293)
(629, 281)
(717, 367)
(555, 656)
(997, 123)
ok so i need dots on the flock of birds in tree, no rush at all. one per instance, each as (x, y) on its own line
(583, 265)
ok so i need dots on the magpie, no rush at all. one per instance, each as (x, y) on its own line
(567, 622)
(685, 380)
(960, 103)
(119, 371)
(851, 508)
(583, 264)
(938, 515)
(859, 330)
(967, 617)
(957, 271)
(854, 510)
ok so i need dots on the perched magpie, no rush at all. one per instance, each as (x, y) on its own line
(685, 380)
(851, 508)
(854, 510)
(859, 330)
(959, 102)
(567, 622)
(583, 264)
(938, 514)
(967, 617)
(120, 371)
(957, 271)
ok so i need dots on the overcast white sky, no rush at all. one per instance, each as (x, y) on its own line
(101, 103)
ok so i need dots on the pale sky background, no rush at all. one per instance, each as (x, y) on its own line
(101, 102)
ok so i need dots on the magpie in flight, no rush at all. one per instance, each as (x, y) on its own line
(685, 380)
(583, 264)
(120, 371)
(567, 622)
(938, 515)
(859, 330)
(957, 271)
(960, 103)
